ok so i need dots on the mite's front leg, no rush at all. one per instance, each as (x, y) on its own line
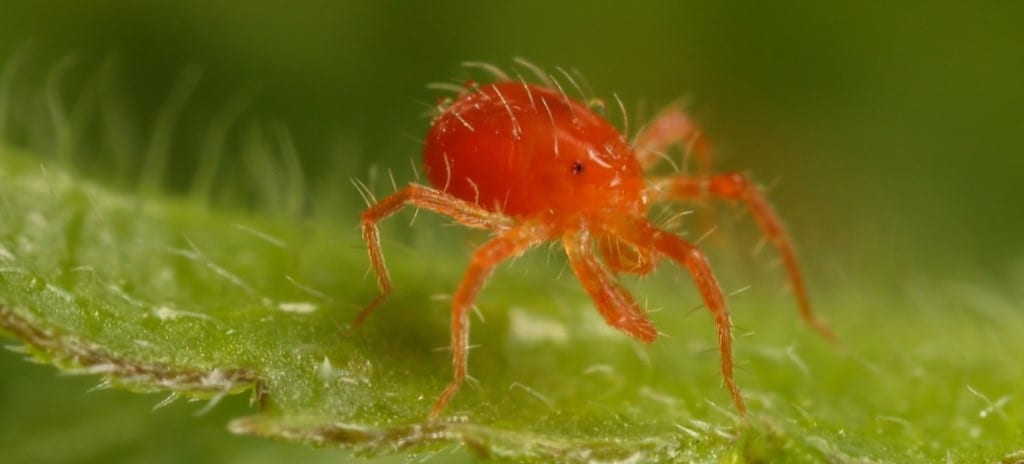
(613, 301)
(672, 127)
(642, 234)
(735, 186)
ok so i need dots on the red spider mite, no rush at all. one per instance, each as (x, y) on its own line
(530, 164)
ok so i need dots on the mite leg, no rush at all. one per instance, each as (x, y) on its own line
(670, 127)
(420, 196)
(735, 186)
(487, 257)
(641, 233)
(612, 300)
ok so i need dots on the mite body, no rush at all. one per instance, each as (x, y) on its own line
(533, 165)
(527, 152)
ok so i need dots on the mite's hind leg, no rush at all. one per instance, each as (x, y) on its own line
(735, 186)
(642, 234)
(420, 196)
(612, 300)
(487, 257)
(672, 127)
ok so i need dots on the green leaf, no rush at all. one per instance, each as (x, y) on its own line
(157, 294)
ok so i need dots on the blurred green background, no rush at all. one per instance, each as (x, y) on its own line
(892, 136)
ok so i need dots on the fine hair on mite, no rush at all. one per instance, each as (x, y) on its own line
(531, 164)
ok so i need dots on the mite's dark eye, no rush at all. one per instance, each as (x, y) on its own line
(577, 168)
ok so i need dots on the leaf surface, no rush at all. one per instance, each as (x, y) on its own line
(157, 294)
